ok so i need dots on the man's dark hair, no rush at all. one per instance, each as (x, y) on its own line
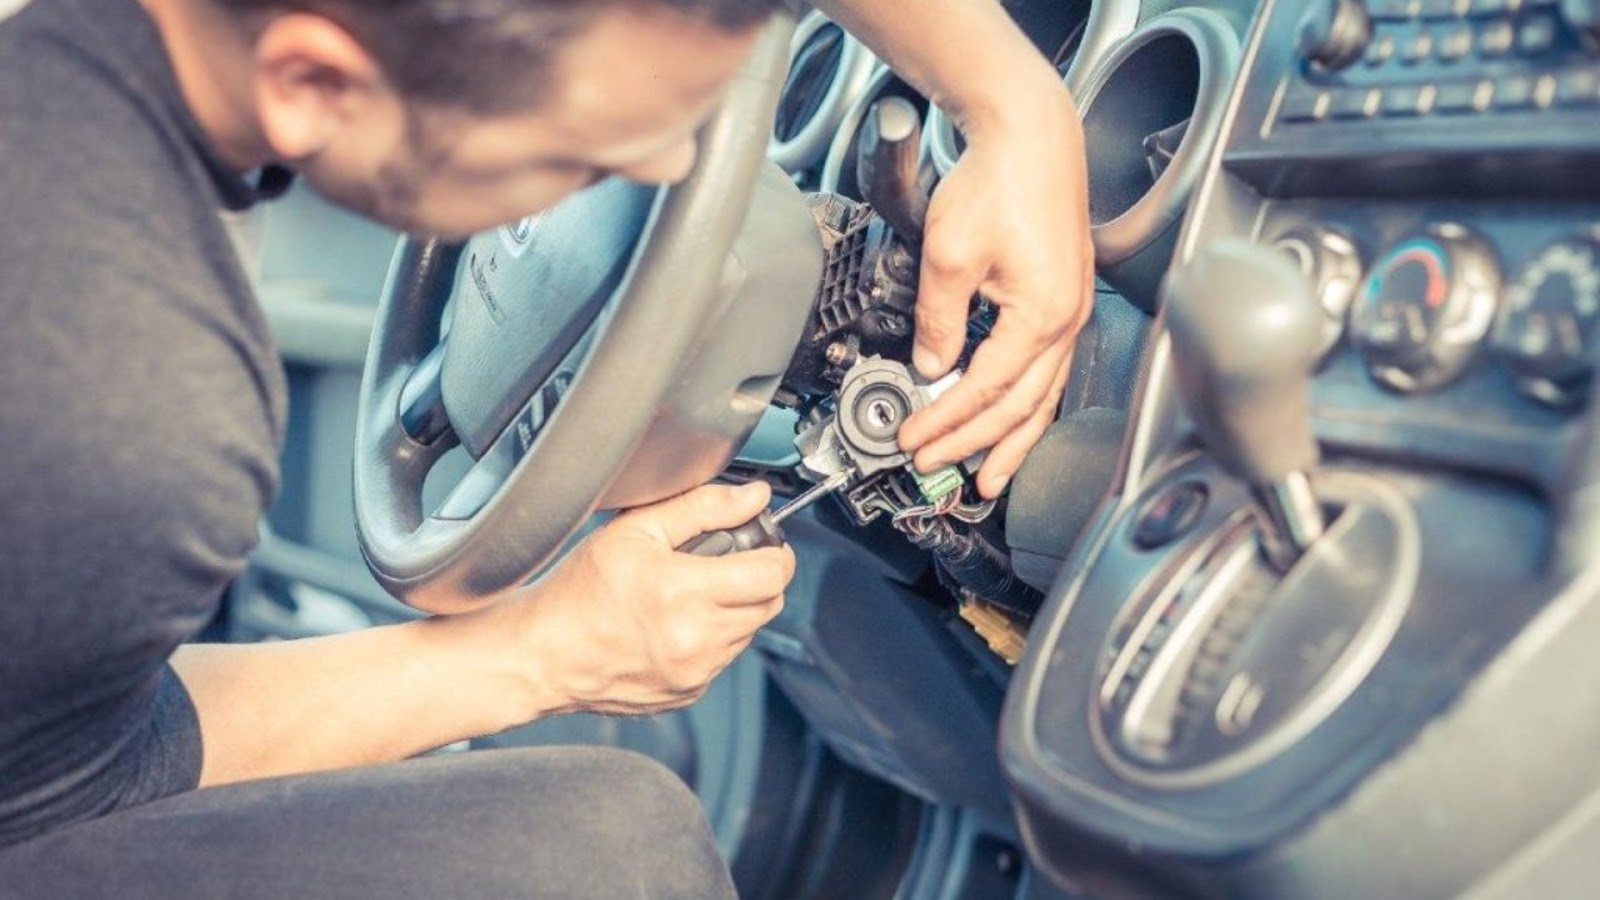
(483, 55)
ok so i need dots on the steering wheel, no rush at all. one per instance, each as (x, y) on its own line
(628, 281)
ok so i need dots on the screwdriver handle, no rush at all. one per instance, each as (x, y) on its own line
(762, 531)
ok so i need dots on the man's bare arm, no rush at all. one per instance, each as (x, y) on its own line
(1010, 221)
(368, 697)
(623, 625)
(966, 56)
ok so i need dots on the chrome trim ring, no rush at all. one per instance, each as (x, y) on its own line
(855, 70)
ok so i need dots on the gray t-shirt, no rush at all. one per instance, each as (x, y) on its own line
(143, 410)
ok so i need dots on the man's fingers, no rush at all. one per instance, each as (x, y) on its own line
(751, 619)
(950, 276)
(708, 508)
(738, 579)
(981, 386)
(1010, 351)
(1007, 456)
(991, 413)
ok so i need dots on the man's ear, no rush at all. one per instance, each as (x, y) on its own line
(312, 80)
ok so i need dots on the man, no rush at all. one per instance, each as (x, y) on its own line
(144, 408)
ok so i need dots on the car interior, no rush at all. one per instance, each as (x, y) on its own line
(1297, 597)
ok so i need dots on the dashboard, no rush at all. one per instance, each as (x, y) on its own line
(1394, 705)
(1194, 719)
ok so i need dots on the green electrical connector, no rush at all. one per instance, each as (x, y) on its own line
(938, 484)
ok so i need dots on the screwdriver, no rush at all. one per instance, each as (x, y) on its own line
(763, 530)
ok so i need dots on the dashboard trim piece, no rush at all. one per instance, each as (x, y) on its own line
(856, 69)
(1216, 47)
(1354, 663)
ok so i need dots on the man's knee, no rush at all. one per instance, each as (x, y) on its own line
(636, 829)
(634, 788)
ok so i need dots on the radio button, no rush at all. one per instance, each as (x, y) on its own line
(1544, 91)
(1419, 48)
(1578, 87)
(1408, 100)
(1380, 51)
(1356, 103)
(1496, 39)
(1514, 92)
(1304, 104)
(1537, 35)
(1455, 44)
(1463, 97)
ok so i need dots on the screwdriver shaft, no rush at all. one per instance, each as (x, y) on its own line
(763, 530)
(810, 496)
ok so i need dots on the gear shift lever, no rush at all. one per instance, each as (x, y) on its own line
(889, 166)
(1245, 339)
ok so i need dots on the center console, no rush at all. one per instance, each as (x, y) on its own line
(1330, 635)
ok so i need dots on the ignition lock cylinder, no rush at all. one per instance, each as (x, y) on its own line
(853, 383)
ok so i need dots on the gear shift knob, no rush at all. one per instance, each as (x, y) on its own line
(1246, 334)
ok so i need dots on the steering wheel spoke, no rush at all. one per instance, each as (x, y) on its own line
(421, 407)
(489, 472)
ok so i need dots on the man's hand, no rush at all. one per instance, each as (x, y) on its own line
(627, 625)
(623, 625)
(1009, 221)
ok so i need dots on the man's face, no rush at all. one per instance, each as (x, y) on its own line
(626, 96)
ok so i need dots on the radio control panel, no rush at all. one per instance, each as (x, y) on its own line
(1499, 81)
(1399, 59)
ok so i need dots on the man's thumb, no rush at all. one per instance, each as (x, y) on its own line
(708, 508)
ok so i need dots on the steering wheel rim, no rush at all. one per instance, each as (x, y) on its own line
(652, 324)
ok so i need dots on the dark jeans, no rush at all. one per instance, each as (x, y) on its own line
(555, 822)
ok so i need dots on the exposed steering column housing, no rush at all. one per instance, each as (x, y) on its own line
(852, 379)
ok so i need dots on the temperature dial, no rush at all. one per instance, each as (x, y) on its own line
(1332, 263)
(1547, 331)
(1426, 308)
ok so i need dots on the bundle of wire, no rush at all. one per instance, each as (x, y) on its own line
(917, 520)
(965, 557)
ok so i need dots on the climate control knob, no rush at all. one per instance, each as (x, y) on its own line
(1332, 263)
(1426, 307)
(1547, 331)
(1334, 33)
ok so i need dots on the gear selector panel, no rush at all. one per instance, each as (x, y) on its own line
(1227, 662)
(1355, 474)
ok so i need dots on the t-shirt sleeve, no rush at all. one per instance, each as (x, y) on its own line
(141, 420)
(173, 753)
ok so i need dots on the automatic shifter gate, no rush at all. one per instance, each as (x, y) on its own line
(1256, 634)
